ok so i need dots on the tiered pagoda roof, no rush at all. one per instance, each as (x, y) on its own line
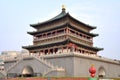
(62, 26)
(63, 42)
(60, 16)
(63, 14)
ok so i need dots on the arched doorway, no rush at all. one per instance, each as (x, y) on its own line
(101, 72)
(27, 71)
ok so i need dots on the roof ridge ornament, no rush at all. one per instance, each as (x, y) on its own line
(63, 7)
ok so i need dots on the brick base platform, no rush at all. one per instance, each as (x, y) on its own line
(47, 79)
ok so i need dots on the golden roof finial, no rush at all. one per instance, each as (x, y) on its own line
(63, 6)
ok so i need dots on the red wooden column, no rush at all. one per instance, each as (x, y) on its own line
(46, 35)
(39, 53)
(56, 32)
(50, 33)
(80, 50)
(62, 49)
(64, 30)
(53, 50)
(43, 51)
(67, 49)
(30, 53)
(42, 35)
(48, 51)
(67, 32)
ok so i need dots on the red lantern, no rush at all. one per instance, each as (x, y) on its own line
(92, 71)
(92, 75)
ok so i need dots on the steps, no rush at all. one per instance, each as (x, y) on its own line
(18, 61)
(52, 67)
(44, 61)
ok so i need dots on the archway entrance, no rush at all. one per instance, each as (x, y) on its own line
(28, 71)
(101, 72)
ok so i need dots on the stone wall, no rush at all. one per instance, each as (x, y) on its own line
(78, 65)
(72, 64)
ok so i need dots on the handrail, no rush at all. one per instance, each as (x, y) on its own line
(44, 61)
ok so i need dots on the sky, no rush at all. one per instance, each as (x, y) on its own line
(17, 15)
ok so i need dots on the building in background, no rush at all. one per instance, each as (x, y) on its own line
(8, 55)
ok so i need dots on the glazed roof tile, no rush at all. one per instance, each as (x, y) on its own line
(59, 16)
(64, 25)
(61, 42)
